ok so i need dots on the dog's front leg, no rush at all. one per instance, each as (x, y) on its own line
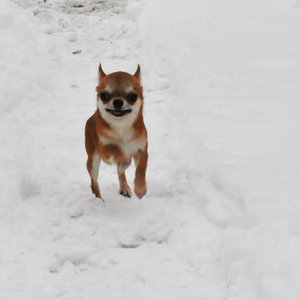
(124, 188)
(93, 164)
(140, 187)
(114, 154)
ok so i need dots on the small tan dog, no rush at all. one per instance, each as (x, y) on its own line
(116, 132)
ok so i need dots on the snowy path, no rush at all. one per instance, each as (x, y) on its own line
(221, 217)
(72, 245)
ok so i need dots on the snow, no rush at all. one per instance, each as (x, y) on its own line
(221, 216)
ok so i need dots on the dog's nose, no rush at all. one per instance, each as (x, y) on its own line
(118, 103)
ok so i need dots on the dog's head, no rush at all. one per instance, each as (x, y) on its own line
(119, 96)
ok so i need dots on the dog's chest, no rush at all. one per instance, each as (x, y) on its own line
(125, 141)
(132, 148)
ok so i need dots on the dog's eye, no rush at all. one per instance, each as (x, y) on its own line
(132, 97)
(104, 96)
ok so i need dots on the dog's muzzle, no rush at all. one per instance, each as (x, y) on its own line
(118, 112)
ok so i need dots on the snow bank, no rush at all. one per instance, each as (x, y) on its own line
(217, 72)
(25, 85)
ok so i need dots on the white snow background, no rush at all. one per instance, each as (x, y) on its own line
(221, 219)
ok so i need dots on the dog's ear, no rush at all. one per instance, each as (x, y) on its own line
(137, 74)
(101, 73)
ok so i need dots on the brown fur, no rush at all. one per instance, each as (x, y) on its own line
(117, 141)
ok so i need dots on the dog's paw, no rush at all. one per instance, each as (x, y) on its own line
(96, 190)
(125, 191)
(140, 190)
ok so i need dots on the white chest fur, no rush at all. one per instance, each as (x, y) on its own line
(124, 140)
(133, 147)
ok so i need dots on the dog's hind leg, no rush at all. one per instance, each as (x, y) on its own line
(93, 164)
(124, 188)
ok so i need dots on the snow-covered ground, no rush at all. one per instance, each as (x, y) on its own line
(221, 219)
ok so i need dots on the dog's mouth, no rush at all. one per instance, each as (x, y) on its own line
(118, 113)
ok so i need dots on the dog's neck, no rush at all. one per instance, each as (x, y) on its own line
(123, 128)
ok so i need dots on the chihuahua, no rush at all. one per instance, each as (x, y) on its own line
(116, 132)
